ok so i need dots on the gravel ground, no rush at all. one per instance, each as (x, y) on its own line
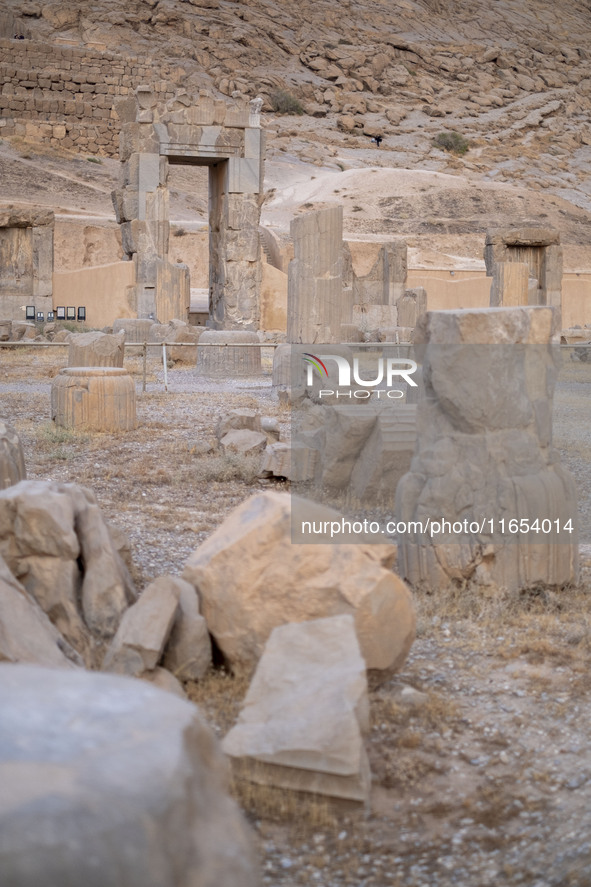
(484, 776)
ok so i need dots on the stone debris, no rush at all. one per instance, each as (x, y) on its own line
(188, 650)
(306, 712)
(26, 634)
(56, 543)
(237, 420)
(247, 443)
(96, 349)
(274, 581)
(111, 781)
(144, 630)
(12, 459)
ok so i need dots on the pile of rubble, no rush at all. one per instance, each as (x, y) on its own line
(332, 613)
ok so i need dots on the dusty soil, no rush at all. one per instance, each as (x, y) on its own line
(483, 776)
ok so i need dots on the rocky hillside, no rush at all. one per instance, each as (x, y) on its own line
(511, 80)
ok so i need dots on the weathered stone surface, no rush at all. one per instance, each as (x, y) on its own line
(386, 455)
(12, 460)
(135, 329)
(510, 284)
(26, 634)
(539, 249)
(55, 541)
(188, 650)
(243, 441)
(484, 453)
(93, 398)
(275, 581)
(144, 629)
(96, 349)
(111, 781)
(315, 307)
(227, 359)
(238, 419)
(306, 712)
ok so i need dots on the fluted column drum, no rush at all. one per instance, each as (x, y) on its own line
(94, 399)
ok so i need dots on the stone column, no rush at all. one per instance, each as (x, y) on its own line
(315, 278)
(484, 461)
(510, 285)
(396, 270)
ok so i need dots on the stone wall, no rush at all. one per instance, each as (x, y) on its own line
(64, 95)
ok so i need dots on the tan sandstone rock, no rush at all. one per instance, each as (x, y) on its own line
(144, 630)
(306, 712)
(251, 577)
(26, 634)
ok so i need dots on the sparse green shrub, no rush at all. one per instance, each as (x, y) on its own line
(284, 102)
(179, 232)
(453, 142)
(94, 160)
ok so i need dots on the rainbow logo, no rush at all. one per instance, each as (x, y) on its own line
(315, 362)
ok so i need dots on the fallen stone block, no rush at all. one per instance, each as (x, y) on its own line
(144, 629)
(306, 712)
(236, 420)
(26, 634)
(106, 780)
(55, 541)
(274, 581)
(247, 443)
(188, 650)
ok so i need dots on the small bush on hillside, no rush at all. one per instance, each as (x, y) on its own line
(453, 142)
(284, 102)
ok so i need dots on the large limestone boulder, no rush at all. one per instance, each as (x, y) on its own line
(12, 460)
(26, 634)
(250, 578)
(109, 781)
(306, 712)
(55, 542)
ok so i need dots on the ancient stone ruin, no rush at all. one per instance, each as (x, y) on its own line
(227, 139)
(311, 740)
(540, 250)
(93, 399)
(26, 260)
(484, 461)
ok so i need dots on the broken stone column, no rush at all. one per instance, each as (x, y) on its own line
(484, 461)
(510, 285)
(539, 249)
(396, 265)
(93, 398)
(96, 349)
(223, 357)
(107, 780)
(306, 713)
(315, 278)
(411, 304)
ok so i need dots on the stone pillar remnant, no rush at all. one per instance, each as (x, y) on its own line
(486, 499)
